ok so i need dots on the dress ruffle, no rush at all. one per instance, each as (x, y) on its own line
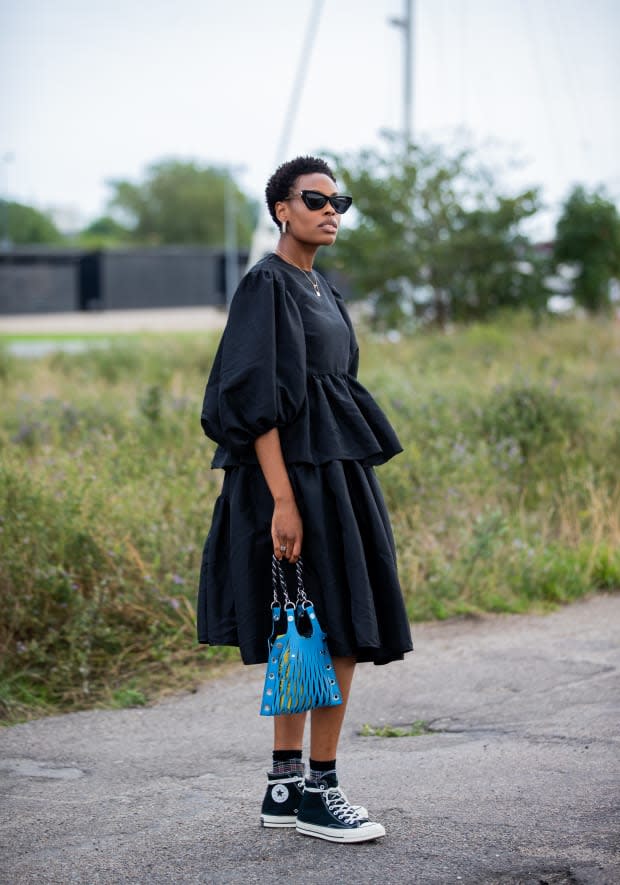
(338, 421)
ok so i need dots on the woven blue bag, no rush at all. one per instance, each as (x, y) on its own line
(300, 675)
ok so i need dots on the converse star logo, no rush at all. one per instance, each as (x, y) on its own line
(279, 793)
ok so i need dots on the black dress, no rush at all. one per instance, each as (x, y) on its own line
(288, 359)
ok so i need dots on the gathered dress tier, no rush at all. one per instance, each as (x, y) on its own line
(289, 359)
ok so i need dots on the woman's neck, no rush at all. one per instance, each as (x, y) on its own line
(299, 254)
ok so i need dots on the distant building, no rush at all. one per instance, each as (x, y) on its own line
(41, 279)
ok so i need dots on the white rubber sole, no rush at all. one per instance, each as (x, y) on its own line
(275, 820)
(365, 833)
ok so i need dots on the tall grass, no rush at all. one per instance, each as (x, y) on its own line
(507, 495)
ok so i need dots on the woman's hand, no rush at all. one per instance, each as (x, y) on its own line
(286, 530)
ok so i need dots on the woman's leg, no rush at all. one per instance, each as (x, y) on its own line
(288, 731)
(286, 779)
(326, 722)
(325, 812)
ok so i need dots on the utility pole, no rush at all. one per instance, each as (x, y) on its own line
(406, 25)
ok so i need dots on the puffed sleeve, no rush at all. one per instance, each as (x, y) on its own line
(258, 378)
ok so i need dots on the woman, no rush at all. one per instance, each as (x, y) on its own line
(298, 437)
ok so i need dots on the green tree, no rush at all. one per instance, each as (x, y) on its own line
(182, 202)
(434, 237)
(588, 238)
(27, 226)
(104, 232)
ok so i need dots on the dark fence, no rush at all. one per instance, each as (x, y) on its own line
(50, 280)
(39, 281)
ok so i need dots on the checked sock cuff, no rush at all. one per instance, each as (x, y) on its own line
(319, 769)
(287, 762)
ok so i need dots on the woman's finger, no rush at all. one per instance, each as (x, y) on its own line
(280, 546)
(293, 550)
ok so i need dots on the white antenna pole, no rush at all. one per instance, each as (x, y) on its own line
(265, 236)
(298, 83)
(230, 230)
(5, 241)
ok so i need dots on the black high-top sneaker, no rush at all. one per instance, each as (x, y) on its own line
(325, 813)
(282, 800)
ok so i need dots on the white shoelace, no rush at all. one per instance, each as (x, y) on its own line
(340, 807)
(360, 811)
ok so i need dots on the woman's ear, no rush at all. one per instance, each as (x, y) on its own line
(281, 210)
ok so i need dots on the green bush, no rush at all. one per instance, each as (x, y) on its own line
(532, 418)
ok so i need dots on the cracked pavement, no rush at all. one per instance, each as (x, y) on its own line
(516, 782)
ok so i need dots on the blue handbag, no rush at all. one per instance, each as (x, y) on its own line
(300, 674)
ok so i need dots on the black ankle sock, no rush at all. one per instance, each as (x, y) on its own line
(317, 765)
(318, 768)
(287, 762)
(285, 755)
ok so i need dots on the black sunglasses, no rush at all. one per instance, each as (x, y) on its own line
(315, 200)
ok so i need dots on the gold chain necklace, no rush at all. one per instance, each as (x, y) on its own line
(313, 282)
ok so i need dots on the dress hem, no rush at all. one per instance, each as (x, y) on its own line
(364, 654)
(375, 459)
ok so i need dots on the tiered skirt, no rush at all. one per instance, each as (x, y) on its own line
(349, 558)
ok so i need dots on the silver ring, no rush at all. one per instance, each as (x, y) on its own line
(282, 549)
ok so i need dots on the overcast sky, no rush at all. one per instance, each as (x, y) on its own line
(93, 91)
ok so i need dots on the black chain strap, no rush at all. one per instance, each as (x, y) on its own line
(278, 581)
(302, 599)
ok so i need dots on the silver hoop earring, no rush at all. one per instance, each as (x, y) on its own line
(283, 228)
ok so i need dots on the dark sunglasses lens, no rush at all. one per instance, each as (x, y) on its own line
(341, 204)
(313, 200)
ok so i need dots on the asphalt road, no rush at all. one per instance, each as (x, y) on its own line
(516, 783)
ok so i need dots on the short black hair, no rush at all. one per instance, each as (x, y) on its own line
(281, 182)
